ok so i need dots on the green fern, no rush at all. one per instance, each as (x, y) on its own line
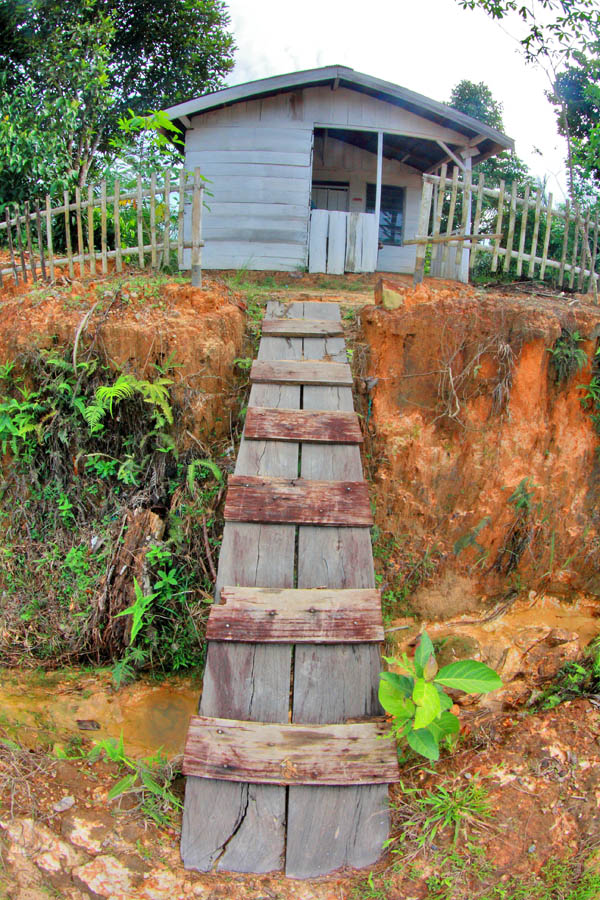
(202, 464)
(124, 388)
(157, 394)
(93, 415)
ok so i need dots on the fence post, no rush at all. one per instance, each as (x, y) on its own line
(197, 228)
(11, 247)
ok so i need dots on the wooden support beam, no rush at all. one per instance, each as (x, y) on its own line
(297, 500)
(451, 154)
(313, 616)
(328, 427)
(302, 328)
(269, 753)
(307, 372)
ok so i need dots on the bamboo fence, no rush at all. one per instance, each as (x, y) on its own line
(167, 218)
(522, 221)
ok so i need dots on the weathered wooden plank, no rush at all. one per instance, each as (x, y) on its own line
(301, 327)
(268, 499)
(501, 196)
(330, 827)
(266, 753)
(248, 681)
(336, 248)
(302, 425)
(306, 372)
(317, 616)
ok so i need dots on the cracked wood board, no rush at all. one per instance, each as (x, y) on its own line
(293, 616)
(301, 327)
(226, 825)
(309, 371)
(333, 427)
(268, 499)
(267, 753)
(331, 827)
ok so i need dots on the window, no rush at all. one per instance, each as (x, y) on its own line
(332, 195)
(391, 216)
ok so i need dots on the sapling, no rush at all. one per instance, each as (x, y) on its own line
(416, 700)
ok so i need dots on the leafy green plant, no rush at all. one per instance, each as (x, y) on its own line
(417, 701)
(591, 399)
(566, 356)
(454, 808)
(580, 678)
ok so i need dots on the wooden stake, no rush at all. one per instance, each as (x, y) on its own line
(511, 226)
(584, 252)
(196, 229)
(103, 229)
(536, 229)
(498, 226)
(523, 233)
(117, 218)
(439, 206)
(575, 248)
(49, 240)
(10, 247)
(167, 221)
(140, 222)
(38, 225)
(20, 242)
(182, 180)
(561, 276)
(29, 244)
(475, 229)
(593, 276)
(68, 236)
(153, 218)
(546, 237)
(422, 231)
(450, 217)
(466, 209)
(90, 229)
(80, 247)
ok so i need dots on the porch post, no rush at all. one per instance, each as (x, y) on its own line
(378, 181)
(466, 254)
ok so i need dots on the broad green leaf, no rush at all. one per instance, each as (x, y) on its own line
(469, 676)
(424, 742)
(447, 723)
(445, 701)
(395, 703)
(423, 652)
(121, 786)
(402, 683)
(427, 701)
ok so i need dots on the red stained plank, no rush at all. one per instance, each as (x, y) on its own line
(302, 328)
(302, 425)
(297, 500)
(268, 753)
(306, 372)
(314, 616)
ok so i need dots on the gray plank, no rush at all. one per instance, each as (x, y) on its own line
(240, 827)
(346, 826)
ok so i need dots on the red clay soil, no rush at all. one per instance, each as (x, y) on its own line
(464, 408)
(139, 322)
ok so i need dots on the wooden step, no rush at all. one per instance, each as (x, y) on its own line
(297, 500)
(291, 616)
(302, 328)
(308, 371)
(302, 425)
(268, 753)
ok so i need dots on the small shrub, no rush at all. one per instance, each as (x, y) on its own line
(566, 356)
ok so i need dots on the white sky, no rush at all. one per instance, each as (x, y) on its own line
(424, 45)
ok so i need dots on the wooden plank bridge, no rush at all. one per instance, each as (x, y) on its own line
(285, 763)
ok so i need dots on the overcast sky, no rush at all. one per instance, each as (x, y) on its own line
(425, 45)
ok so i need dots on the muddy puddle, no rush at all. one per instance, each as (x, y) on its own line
(53, 708)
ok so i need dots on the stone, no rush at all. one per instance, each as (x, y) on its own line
(37, 843)
(90, 833)
(108, 877)
(63, 804)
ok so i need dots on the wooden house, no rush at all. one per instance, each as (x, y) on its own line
(301, 167)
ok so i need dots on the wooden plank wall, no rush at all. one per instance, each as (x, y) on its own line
(311, 830)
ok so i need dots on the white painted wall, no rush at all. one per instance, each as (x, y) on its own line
(257, 156)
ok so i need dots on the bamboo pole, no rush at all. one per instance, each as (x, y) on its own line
(38, 226)
(167, 221)
(80, 247)
(11, 248)
(476, 223)
(439, 207)
(536, 231)
(523, 232)
(182, 185)
(153, 217)
(584, 251)
(593, 276)
(90, 229)
(140, 222)
(498, 227)
(29, 244)
(546, 237)
(466, 208)
(68, 237)
(511, 226)
(575, 248)
(563, 258)
(197, 229)
(103, 228)
(450, 218)
(20, 243)
(49, 240)
(117, 221)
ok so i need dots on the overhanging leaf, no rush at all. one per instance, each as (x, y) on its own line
(402, 683)
(427, 701)
(424, 742)
(423, 652)
(395, 703)
(469, 676)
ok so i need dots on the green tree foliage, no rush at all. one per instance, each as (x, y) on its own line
(71, 70)
(576, 97)
(476, 100)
